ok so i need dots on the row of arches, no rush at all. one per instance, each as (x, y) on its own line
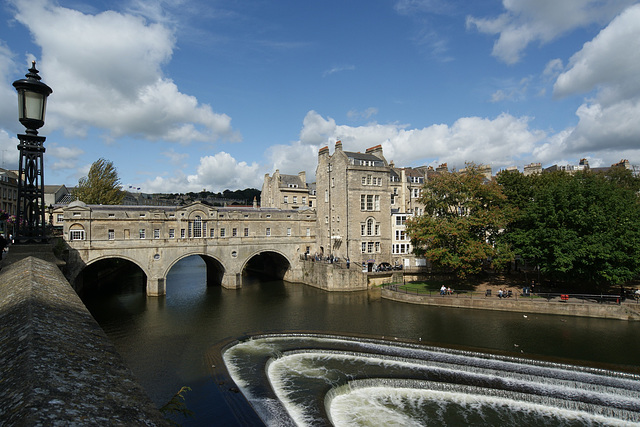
(101, 272)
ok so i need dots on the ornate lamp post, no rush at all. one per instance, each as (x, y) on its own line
(32, 102)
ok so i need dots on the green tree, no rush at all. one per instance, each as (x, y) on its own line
(101, 186)
(582, 228)
(463, 216)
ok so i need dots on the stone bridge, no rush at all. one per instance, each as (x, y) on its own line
(230, 240)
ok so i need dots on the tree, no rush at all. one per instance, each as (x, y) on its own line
(463, 216)
(101, 186)
(581, 228)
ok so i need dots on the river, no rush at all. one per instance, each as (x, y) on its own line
(170, 342)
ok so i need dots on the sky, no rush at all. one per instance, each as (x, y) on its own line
(192, 95)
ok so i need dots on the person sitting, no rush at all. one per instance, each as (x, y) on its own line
(499, 293)
(443, 290)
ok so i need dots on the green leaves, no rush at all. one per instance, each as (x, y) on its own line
(101, 186)
(581, 228)
(464, 215)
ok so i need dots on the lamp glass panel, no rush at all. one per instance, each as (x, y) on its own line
(34, 105)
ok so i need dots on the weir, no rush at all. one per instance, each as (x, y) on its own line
(321, 378)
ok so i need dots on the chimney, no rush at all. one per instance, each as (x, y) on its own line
(338, 145)
(303, 177)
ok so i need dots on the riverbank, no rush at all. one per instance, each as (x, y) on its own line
(628, 310)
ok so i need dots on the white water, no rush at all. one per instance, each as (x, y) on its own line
(309, 380)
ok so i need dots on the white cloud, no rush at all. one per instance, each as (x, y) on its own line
(366, 114)
(338, 69)
(106, 71)
(215, 173)
(175, 157)
(608, 64)
(9, 155)
(527, 21)
(59, 157)
(502, 141)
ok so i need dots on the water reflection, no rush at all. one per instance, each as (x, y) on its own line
(170, 342)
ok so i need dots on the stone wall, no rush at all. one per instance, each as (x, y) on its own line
(331, 277)
(626, 311)
(58, 366)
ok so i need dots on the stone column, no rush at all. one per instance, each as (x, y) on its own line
(156, 287)
(232, 280)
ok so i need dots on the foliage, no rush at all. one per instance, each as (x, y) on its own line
(101, 186)
(177, 405)
(583, 227)
(464, 214)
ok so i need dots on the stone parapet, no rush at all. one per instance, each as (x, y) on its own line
(58, 366)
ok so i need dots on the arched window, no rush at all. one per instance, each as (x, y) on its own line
(76, 232)
(197, 226)
(370, 224)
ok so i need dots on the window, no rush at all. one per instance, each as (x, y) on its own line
(197, 226)
(142, 233)
(401, 219)
(286, 199)
(76, 234)
(304, 200)
(212, 233)
(364, 247)
(246, 232)
(182, 233)
(268, 231)
(288, 232)
(400, 235)
(111, 215)
(234, 232)
(308, 232)
(111, 235)
(60, 218)
(295, 199)
(369, 247)
(172, 233)
(377, 246)
(370, 223)
(333, 182)
(223, 232)
(156, 233)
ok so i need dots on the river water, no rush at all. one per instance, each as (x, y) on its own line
(176, 341)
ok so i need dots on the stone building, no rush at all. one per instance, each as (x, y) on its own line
(354, 205)
(287, 191)
(8, 192)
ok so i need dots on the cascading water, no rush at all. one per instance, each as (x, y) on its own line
(299, 379)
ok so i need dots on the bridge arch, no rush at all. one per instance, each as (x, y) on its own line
(215, 270)
(268, 262)
(90, 272)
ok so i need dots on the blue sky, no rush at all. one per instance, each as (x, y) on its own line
(190, 95)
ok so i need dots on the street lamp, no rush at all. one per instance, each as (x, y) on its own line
(32, 103)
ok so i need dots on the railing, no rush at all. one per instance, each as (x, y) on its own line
(562, 297)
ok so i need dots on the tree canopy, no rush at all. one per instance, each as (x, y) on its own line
(101, 186)
(464, 215)
(583, 227)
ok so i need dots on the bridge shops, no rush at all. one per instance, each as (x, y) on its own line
(231, 240)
